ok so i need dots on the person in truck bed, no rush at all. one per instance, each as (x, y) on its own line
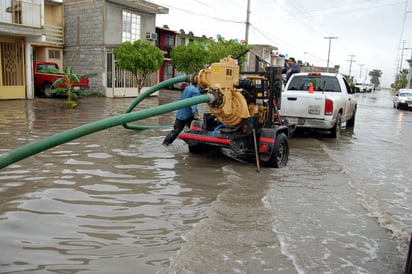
(291, 68)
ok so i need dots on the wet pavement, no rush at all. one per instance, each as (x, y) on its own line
(118, 202)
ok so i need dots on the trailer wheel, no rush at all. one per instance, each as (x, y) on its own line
(197, 149)
(280, 154)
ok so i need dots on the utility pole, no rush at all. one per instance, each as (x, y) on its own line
(366, 74)
(247, 21)
(330, 39)
(408, 85)
(360, 73)
(247, 32)
(410, 71)
(350, 63)
(403, 47)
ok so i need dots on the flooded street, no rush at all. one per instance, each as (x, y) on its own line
(118, 202)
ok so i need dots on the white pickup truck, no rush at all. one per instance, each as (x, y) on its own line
(321, 101)
(362, 86)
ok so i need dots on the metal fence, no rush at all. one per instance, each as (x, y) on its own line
(119, 78)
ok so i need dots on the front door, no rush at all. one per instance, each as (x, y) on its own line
(12, 73)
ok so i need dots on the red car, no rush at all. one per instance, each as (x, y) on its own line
(44, 77)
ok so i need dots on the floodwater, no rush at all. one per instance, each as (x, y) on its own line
(116, 201)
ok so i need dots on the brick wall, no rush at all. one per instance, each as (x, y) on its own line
(92, 28)
(84, 37)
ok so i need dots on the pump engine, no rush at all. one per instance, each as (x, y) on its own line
(235, 99)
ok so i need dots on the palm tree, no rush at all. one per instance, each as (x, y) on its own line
(64, 84)
(375, 74)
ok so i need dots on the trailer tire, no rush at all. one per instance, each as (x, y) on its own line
(197, 149)
(280, 154)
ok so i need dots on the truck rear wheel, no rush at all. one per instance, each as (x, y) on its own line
(351, 121)
(337, 128)
(280, 154)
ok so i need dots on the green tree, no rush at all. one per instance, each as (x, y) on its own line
(350, 81)
(190, 58)
(375, 75)
(140, 58)
(193, 57)
(64, 85)
(223, 48)
(401, 80)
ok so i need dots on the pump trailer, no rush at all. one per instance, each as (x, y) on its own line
(244, 121)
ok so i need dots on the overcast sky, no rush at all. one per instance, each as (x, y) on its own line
(375, 31)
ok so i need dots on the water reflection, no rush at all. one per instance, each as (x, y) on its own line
(117, 201)
(80, 214)
(399, 125)
(87, 203)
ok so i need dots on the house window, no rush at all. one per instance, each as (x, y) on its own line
(168, 70)
(54, 54)
(131, 27)
(26, 12)
(15, 10)
(169, 40)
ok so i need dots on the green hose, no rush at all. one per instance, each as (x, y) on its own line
(154, 88)
(147, 93)
(27, 150)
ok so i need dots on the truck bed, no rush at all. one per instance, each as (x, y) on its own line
(317, 100)
(303, 104)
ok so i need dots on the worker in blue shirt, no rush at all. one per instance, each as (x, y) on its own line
(291, 68)
(184, 116)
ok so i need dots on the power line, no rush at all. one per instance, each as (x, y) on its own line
(237, 4)
(304, 13)
(401, 36)
(271, 37)
(352, 7)
(205, 15)
(217, 10)
(308, 15)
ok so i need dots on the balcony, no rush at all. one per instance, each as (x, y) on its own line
(20, 12)
(54, 34)
(21, 18)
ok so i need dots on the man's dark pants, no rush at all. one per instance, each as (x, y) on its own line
(177, 128)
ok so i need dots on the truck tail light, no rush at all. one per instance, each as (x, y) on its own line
(328, 107)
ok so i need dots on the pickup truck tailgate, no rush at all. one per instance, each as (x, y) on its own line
(303, 104)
